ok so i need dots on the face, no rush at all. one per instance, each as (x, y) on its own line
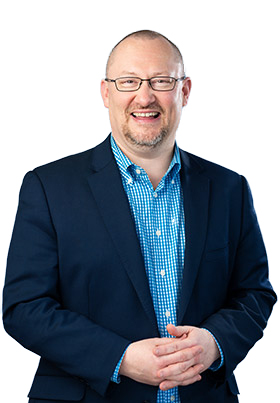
(145, 119)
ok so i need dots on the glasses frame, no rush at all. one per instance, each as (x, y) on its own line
(109, 80)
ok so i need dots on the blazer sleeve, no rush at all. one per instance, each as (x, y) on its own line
(32, 310)
(241, 321)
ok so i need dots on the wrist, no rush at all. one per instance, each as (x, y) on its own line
(218, 362)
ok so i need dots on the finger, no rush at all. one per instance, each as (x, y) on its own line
(166, 385)
(177, 331)
(187, 358)
(179, 368)
(165, 340)
(176, 345)
(187, 379)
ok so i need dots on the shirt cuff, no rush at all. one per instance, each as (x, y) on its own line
(116, 377)
(220, 362)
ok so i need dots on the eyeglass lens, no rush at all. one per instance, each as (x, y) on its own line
(134, 83)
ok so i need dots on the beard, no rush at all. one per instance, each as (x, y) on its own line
(144, 141)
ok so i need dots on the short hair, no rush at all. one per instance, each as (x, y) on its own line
(145, 34)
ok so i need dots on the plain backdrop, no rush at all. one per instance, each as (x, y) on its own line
(53, 56)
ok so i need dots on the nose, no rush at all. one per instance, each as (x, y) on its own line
(145, 95)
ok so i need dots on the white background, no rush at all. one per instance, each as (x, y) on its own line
(53, 55)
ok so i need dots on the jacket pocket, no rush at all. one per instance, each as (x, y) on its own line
(216, 254)
(64, 388)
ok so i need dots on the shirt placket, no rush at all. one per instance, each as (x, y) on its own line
(165, 306)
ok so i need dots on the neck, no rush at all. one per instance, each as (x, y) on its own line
(155, 162)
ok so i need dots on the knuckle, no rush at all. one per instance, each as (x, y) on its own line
(176, 347)
(180, 378)
(183, 366)
(159, 360)
(163, 362)
(183, 356)
(156, 376)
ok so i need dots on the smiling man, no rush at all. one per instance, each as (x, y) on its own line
(145, 100)
(137, 271)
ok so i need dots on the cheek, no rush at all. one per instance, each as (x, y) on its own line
(122, 98)
(171, 102)
(175, 115)
(118, 112)
(174, 109)
(120, 107)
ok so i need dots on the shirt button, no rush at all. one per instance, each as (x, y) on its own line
(172, 181)
(158, 232)
(138, 171)
(155, 194)
(173, 220)
(167, 314)
(162, 273)
(172, 398)
(129, 181)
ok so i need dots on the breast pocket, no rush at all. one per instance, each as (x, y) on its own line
(217, 254)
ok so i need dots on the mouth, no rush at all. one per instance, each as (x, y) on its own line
(146, 116)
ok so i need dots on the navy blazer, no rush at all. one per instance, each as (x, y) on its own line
(76, 291)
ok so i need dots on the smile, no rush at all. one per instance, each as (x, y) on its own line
(145, 114)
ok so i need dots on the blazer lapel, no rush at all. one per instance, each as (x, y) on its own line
(107, 189)
(196, 198)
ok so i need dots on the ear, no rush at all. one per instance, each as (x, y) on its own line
(186, 89)
(105, 93)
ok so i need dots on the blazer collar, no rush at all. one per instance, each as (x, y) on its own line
(112, 203)
(101, 155)
(196, 202)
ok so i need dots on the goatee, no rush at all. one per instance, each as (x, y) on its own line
(145, 141)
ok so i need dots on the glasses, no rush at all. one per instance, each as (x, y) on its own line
(160, 83)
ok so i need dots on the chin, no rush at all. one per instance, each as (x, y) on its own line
(147, 141)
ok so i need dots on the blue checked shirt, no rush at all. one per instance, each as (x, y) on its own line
(160, 226)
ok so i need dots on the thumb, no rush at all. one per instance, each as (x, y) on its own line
(178, 331)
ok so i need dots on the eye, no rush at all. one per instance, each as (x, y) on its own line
(162, 80)
(129, 81)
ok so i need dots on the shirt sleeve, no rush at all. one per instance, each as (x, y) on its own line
(116, 377)
(220, 362)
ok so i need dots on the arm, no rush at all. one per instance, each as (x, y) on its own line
(35, 315)
(240, 322)
(33, 311)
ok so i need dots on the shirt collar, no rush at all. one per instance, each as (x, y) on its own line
(125, 164)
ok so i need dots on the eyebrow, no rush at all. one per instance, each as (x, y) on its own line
(131, 73)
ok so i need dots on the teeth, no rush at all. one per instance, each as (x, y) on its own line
(145, 115)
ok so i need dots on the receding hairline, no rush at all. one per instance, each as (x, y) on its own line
(145, 34)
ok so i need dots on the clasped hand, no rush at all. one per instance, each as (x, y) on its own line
(170, 362)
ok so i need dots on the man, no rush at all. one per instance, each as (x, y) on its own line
(119, 248)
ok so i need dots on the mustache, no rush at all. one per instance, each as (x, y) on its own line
(154, 106)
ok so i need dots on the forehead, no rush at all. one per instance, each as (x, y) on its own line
(144, 56)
